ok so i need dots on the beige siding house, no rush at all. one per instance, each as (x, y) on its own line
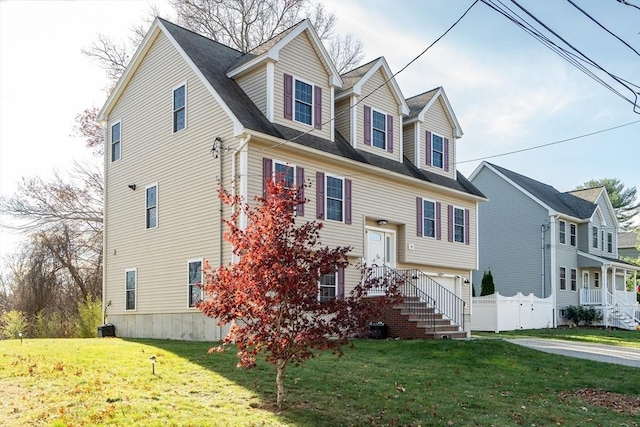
(190, 114)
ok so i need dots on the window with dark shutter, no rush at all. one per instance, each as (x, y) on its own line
(317, 106)
(390, 133)
(367, 125)
(320, 195)
(288, 97)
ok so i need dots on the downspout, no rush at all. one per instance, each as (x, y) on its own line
(553, 267)
(220, 205)
(542, 276)
(243, 143)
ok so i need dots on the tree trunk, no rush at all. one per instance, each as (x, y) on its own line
(280, 366)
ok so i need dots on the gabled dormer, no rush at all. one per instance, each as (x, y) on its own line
(430, 132)
(602, 228)
(291, 79)
(369, 110)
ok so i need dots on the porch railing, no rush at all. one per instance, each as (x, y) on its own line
(623, 307)
(590, 296)
(420, 289)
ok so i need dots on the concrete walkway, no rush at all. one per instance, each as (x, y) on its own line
(599, 352)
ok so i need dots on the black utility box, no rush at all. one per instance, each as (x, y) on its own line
(107, 330)
(377, 330)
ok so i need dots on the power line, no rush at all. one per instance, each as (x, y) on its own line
(602, 26)
(548, 144)
(568, 56)
(596, 65)
(376, 89)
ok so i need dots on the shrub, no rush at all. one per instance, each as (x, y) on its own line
(487, 287)
(53, 325)
(89, 318)
(578, 314)
(12, 323)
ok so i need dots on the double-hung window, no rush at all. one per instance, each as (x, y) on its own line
(180, 108)
(429, 218)
(596, 279)
(335, 198)
(572, 234)
(379, 129)
(303, 102)
(574, 279)
(285, 172)
(115, 141)
(437, 151)
(194, 281)
(151, 206)
(594, 237)
(328, 287)
(609, 242)
(131, 282)
(458, 225)
(563, 279)
(563, 232)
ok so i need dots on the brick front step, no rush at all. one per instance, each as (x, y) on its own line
(403, 323)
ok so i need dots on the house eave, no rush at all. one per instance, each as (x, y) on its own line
(366, 167)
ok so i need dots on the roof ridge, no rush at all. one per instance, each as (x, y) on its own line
(276, 35)
(424, 93)
(200, 35)
(361, 66)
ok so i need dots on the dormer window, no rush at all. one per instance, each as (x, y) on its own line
(379, 127)
(437, 151)
(303, 102)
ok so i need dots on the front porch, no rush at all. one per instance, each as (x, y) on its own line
(604, 287)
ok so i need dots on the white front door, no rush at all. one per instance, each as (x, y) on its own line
(585, 280)
(381, 248)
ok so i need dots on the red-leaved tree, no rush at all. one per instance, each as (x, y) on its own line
(270, 295)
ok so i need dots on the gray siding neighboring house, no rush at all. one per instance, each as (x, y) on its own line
(536, 239)
(629, 244)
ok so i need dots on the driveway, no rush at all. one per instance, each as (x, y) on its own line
(599, 352)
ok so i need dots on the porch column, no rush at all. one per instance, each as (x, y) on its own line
(603, 287)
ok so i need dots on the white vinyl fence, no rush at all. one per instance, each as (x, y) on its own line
(498, 313)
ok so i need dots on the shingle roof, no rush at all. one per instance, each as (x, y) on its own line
(417, 103)
(628, 239)
(352, 77)
(263, 48)
(589, 194)
(213, 59)
(565, 203)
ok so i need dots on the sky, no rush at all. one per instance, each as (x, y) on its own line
(508, 91)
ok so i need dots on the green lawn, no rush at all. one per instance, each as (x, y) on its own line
(478, 382)
(592, 335)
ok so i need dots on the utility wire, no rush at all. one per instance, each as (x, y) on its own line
(635, 103)
(602, 26)
(568, 56)
(548, 144)
(376, 89)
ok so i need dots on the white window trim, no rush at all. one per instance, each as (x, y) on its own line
(560, 268)
(453, 222)
(586, 272)
(571, 270)
(610, 235)
(433, 134)
(293, 100)
(435, 218)
(135, 289)
(117, 122)
(560, 232)
(288, 164)
(186, 103)
(594, 235)
(157, 206)
(335, 273)
(575, 235)
(386, 131)
(326, 198)
(201, 261)
(596, 279)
